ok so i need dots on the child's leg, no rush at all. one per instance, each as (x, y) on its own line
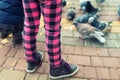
(32, 17)
(51, 10)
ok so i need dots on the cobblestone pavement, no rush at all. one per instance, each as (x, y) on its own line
(96, 61)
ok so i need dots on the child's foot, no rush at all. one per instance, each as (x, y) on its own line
(65, 70)
(31, 67)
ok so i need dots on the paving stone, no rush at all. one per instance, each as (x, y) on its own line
(69, 49)
(34, 76)
(2, 60)
(72, 41)
(64, 56)
(21, 65)
(111, 62)
(0, 69)
(87, 42)
(114, 52)
(118, 43)
(89, 51)
(105, 45)
(105, 13)
(42, 68)
(118, 35)
(12, 52)
(46, 57)
(76, 34)
(112, 36)
(41, 38)
(90, 72)
(103, 73)
(46, 68)
(114, 74)
(39, 45)
(103, 52)
(43, 48)
(118, 72)
(97, 61)
(10, 63)
(74, 79)
(10, 75)
(43, 77)
(20, 54)
(81, 60)
(4, 51)
(97, 44)
(80, 72)
(106, 36)
(107, 18)
(78, 50)
(67, 33)
(112, 44)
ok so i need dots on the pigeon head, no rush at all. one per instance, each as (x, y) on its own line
(108, 24)
(75, 22)
(83, 8)
(64, 3)
(71, 13)
(90, 20)
(83, 4)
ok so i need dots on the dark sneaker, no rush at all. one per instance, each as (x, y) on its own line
(32, 66)
(65, 70)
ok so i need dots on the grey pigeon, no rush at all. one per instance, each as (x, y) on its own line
(64, 3)
(100, 1)
(93, 18)
(101, 25)
(119, 12)
(86, 6)
(83, 18)
(71, 13)
(88, 31)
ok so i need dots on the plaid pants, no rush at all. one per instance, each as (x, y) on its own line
(51, 11)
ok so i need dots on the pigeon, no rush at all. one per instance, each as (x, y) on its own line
(119, 12)
(102, 25)
(71, 13)
(93, 18)
(64, 3)
(88, 31)
(86, 6)
(100, 1)
(83, 18)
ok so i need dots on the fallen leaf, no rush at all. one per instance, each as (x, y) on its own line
(4, 41)
(10, 35)
(13, 65)
(1, 47)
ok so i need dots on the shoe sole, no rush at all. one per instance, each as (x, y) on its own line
(31, 71)
(64, 76)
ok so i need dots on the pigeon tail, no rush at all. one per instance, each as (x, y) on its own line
(98, 36)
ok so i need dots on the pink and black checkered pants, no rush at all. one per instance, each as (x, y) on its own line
(51, 11)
